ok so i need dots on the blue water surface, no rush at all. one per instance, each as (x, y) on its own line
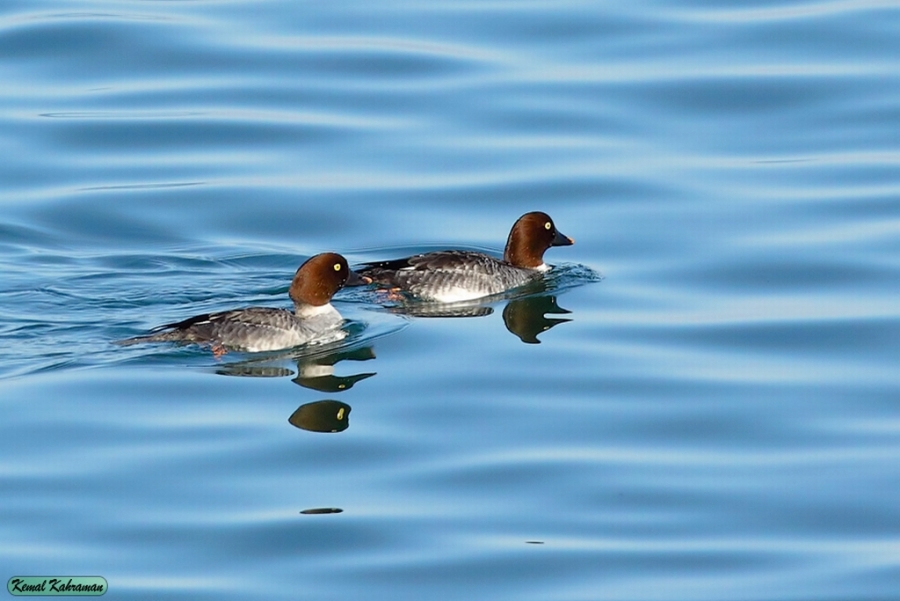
(701, 402)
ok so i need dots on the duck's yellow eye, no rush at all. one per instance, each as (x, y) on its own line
(337, 266)
(548, 225)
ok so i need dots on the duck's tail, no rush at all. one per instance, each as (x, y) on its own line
(169, 336)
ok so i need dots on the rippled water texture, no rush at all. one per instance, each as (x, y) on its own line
(699, 402)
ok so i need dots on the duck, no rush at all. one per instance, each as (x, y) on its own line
(256, 329)
(451, 276)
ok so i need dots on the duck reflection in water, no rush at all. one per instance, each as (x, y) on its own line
(527, 317)
(524, 317)
(318, 373)
(315, 372)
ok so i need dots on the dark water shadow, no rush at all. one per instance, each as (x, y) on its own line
(322, 416)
